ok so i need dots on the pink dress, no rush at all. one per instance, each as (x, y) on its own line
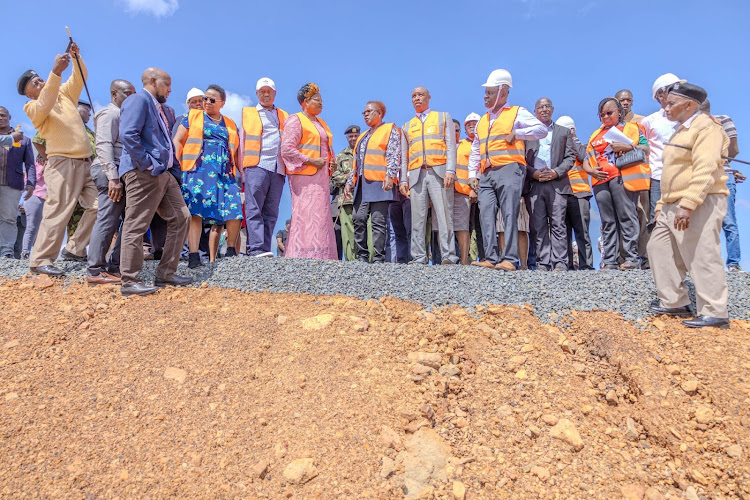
(311, 233)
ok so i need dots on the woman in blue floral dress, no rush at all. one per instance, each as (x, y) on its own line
(209, 177)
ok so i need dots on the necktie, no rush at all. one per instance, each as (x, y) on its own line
(163, 117)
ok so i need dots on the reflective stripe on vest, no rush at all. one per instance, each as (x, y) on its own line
(579, 179)
(635, 178)
(310, 143)
(376, 163)
(427, 146)
(193, 145)
(252, 125)
(494, 150)
(462, 167)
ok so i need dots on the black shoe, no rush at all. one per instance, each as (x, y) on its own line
(137, 288)
(175, 280)
(231, 252)
(194, 260)
(657, 308)
(158, 254)
(48, 270)
(73, 257)
(702, 321)
(610, 267)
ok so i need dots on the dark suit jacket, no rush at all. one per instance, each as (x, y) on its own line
(18, 159)
(562, 157)
(144, 142)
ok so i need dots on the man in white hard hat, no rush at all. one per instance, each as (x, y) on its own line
(194, 100)
(497, 166)
(463, 196)
(263, 168)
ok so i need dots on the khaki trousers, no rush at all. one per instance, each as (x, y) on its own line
(696, 250)
(68, 181)
(146, 196)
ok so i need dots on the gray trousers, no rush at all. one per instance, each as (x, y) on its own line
(548, 209)
(429, 188)
(617, 207)
(107, 221)
(33, 207)
(578, 218)
(9, 198)
(501, 187)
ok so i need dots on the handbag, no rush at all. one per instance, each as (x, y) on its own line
(630, 158)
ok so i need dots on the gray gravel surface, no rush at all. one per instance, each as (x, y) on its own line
(628, 293)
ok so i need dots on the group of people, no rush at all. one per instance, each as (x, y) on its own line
(514, 193)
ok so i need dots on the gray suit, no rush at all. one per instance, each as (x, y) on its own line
(426, 185)
(549, 200)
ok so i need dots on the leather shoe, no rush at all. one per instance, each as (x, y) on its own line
(484, 263)
(137, 288)
(657, 308)
(73, 257)
(48, 270)
(175, 280)
(703, 321)
(103, 279)
(505, 266)
(446, 262)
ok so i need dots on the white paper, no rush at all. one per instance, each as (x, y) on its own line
(614, 135)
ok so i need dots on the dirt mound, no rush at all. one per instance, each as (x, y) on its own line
(218, 393)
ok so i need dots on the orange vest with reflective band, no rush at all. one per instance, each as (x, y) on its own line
(375, 166)
(309, 144)
(193, 144)
(253, 128)
(494, 150)
(635, 178)
(427, 146)
(579, 179)
(462, 167)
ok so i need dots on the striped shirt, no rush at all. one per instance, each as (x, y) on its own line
(731, 130)
(270, 152)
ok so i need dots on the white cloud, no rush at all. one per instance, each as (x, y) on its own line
(158, 8)
(233, 107)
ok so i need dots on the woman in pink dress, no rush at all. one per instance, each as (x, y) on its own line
(306, 148)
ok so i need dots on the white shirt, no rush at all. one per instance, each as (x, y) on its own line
(658, 130)
(526, 127)
(542, 159)
(689, 121)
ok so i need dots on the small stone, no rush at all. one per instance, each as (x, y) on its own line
(540, 472)
(704, 415)
(431, 359)
(178, 374)
(521, 374)
(423, 342)
(653, 494)
(691, 494)
(533, 431)
(449, 371)
(359, 324)
(279, 449)
(566, 431)
(631, 431)
(673, 369)
(260, 469)
(633, 491)
(390, 438)
(317, 322)
(527, 348)
(459, 490)
(11, 344)
(549, 419)
(611, 397)
(461, 422)
(690, 386)
(388, 468)
(300, 471)
(196, 459)
(734, 451)
(124, 475)
(11, 396)
(281, 319)
(586, 409)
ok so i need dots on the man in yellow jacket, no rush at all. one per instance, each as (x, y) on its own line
(689, 214)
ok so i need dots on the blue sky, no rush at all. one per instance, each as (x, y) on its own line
(572, 51)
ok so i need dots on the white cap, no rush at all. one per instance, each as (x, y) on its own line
(665, 81)
(566, 121)
(194, 92)
(497, 78)
(265, 82)
(472, 117)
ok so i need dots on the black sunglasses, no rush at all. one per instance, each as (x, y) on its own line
(209, 99)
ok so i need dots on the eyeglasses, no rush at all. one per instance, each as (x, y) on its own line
(209, 99)
(607, 113)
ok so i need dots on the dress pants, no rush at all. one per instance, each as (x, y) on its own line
(429, 188)
(617, 207)
(9, 198)
(263, 190)
(33, 207)
(348, 246)
(377, 212)
(399, 212)
(500, 187)
(643, 209)
(20, 229)
(731, 231)
(654, 196)
(148, 194)
(696, 250)
(548, 209)
(578, 218)
(107, 222)
(476, 251)
(68, 182)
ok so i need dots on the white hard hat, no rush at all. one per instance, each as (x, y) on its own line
(497, 78)
(665, 81)
(566, 121)
(194, 92)
(472, 117)
(265, 82)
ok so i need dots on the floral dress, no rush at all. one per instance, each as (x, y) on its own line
(210, 190)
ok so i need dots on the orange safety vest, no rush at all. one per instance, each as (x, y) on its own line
(375, 167)
(635, 178)
(253, 128)
(427, 146)
(193, 144)
(495, 151)
(462, 167)
(579, 179)
(310, 143)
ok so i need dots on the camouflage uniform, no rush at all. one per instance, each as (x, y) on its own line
(341, 205)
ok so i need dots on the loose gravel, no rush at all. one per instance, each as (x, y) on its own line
(551, 294)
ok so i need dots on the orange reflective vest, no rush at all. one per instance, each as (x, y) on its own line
(375, 166)
(579, 179)
(193, 144)
(310, 143)
(494, 150)
(253, 128)
(427, 146)
(635, 178)
(462, 167)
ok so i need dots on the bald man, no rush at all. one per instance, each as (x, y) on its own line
(149, 169)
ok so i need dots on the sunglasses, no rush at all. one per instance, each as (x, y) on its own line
(607, 113)
(209, 99)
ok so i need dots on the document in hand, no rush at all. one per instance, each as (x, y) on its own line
(614, 135)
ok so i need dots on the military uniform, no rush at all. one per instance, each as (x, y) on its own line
(342, 205)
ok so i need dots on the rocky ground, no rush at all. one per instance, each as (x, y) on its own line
(215, 392)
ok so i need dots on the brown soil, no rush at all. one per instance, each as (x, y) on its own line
(211, 393)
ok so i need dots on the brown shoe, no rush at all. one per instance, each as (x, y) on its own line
(505, 266)
(484, 263)
(103, 279)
